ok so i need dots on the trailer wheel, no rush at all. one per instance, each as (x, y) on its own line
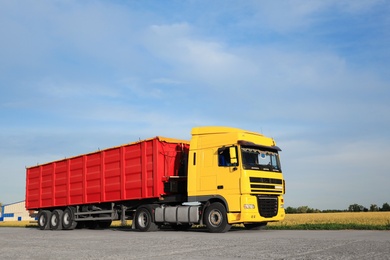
(216, 219)
(44, 219)
(56, 219)
(68, 221)
(144, 221)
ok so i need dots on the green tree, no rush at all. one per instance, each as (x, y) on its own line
(291, 210)
(311, 210)
(355, 208)
(385, 207)
(374, 207)
(302, 209)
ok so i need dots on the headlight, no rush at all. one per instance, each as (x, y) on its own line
(249, 206)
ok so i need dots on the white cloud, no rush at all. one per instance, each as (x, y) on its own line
(319, 87)
(202, 60)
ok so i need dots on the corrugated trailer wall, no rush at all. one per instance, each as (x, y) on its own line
(133, 171)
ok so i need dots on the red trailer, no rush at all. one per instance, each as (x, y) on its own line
(150, 169)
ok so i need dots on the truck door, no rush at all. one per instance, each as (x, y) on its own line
(228, 176)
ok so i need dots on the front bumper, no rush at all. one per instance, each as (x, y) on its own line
(258, 208)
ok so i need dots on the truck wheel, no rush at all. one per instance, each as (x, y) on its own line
(216, 219)
(44, 219)
(56, 219)
(256, 226)
(68, 222)
(144, 221)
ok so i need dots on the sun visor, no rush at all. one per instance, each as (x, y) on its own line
(246, 143)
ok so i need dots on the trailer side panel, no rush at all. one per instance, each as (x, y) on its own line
(128, 172)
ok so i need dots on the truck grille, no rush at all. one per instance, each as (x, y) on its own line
(268, 206)
(266, 185)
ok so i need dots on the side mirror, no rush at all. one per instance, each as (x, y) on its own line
(233, 155)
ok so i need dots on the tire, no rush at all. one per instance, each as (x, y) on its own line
(68, 222)
(256, 226)
(56, 219)
(44, 219)
(215, 218)
(144, 220)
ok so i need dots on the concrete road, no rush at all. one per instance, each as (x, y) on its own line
(31, 243)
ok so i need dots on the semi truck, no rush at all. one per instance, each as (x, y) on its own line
(221, 177)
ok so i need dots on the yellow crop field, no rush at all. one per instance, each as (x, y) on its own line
(17, 223)
(360, 218)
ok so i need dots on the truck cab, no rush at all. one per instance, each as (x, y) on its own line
(239, 170)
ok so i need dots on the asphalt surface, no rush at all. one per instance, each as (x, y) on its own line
(31, 243)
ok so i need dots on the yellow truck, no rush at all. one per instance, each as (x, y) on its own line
(237, 174)
(223, 176)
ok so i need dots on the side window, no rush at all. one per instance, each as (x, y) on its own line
(223, 157)
(227, 156)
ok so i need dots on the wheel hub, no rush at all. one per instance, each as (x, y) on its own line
(215, 218)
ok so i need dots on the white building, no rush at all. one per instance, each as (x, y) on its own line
(14, 212)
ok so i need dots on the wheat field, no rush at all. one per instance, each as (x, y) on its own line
(360, 218)
(17, 223)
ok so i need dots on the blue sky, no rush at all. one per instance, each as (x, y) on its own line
(76, 76)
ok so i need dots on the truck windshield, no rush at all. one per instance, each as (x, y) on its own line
(260, 159)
